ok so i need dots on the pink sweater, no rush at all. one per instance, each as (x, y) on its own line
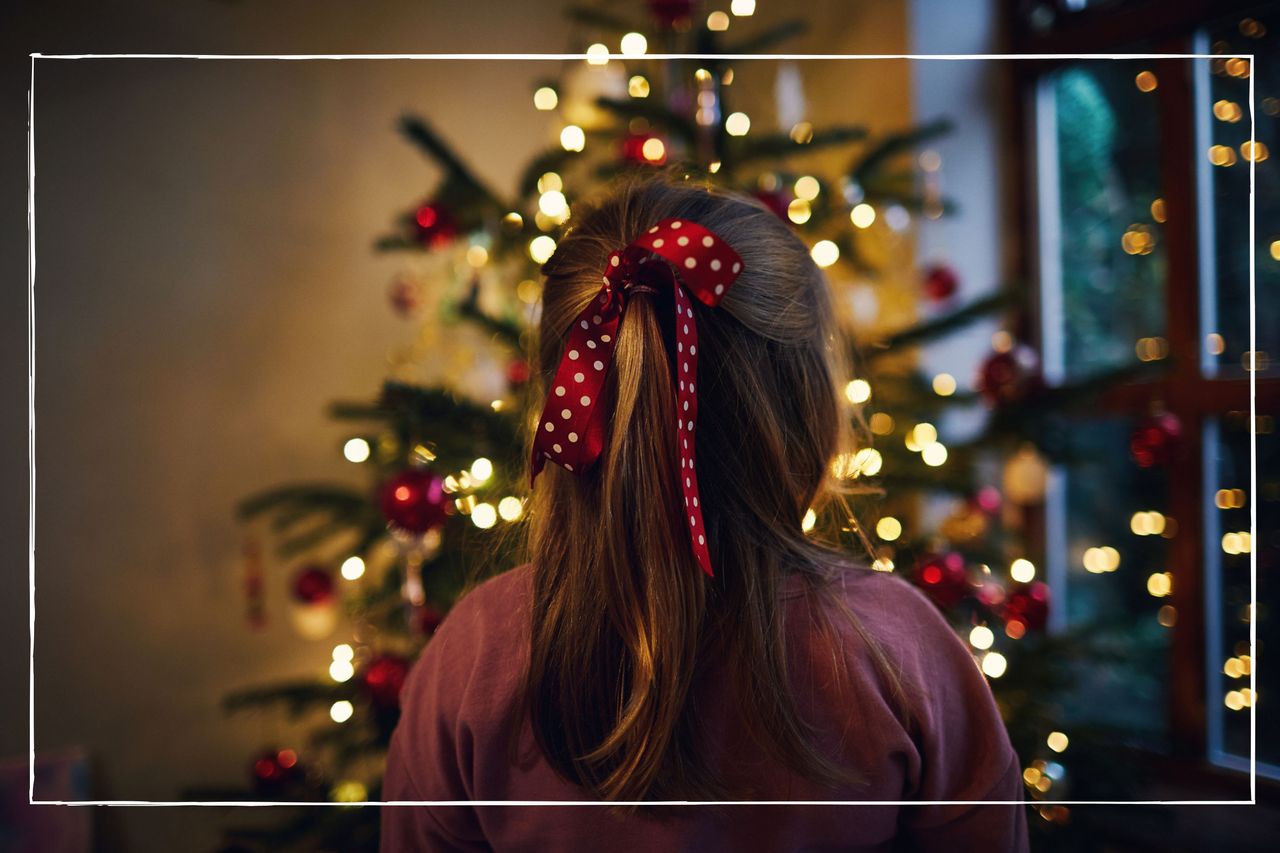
(451, 744)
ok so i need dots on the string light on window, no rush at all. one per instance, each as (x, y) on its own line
(1101, 560)
(1222, 155)
(1151, 349)
(1160, 584)
(356, 450)
(1022, 570)
(1229, 498)
(1237, 543)
(1228, 111)
(1238, 667)
(1158, 212)
(1057, 741)
(1214, 343)
(1275, 250)
(1147, 523)
(1139, 239)
(1167, 616)
(944, 385)
(1237, 66)
(1146, 81)
(1255, 151)
(545, 99)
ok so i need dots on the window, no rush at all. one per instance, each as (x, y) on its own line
(1141, 202)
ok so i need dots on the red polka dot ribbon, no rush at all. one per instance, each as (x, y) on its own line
(572, 428)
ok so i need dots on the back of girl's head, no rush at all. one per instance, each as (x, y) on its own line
(623, 619)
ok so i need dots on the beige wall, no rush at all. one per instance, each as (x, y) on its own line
(205, 286)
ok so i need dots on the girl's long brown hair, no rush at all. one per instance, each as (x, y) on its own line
(623, 620)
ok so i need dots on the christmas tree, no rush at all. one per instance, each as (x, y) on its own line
(440, 492)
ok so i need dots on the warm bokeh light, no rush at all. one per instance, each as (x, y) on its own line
(944, 385)
(510, 508)
(541, 248)
(1022, 570)
(341, 711)
(994, 664)
(1146, 81)
(809, 520)
(572, 138)
(799, 211)
(807, 187)
(598, 54)
(352, 568)
(545, 98)
(1057, 741)
(638, 87)
(981, 637)
(356, 450)
(825, 253)
(862, 215)
(481, 470)
(717, 22)
(737, 124)
(484, 516)
(341, 670)
(934, 454)
(888, 528)
(858, 391)
(743, 8)
(1160, 584)
(634, 44)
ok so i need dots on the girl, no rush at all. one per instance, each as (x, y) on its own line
(676, 635)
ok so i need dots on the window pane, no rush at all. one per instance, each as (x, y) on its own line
(1227, 550)
(1115, 543)
(1224, 163)
(1102, 254)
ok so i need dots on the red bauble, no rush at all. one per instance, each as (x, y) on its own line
(940, 282)
(633, 149)
(1155, 440)
(671, 14)
(434, 224)
(414, 500)
(517, 372)
(1009, 376)
(777, 201)
(383, 679)
(275, 768)
(1029, 605)
(313, 584)
(943, 578)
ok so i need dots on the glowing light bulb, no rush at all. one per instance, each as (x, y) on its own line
(825, 253)
(597, 54)
(483, 515)
(340, 671)
(352, 568)
(356, 450)
(888, 528)
(510, 508)
(545, 99)
(981, 637)
(541, 248)
(572, 138)
(858, 391)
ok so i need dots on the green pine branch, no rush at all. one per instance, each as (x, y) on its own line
(865, 165)
(931, 329)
